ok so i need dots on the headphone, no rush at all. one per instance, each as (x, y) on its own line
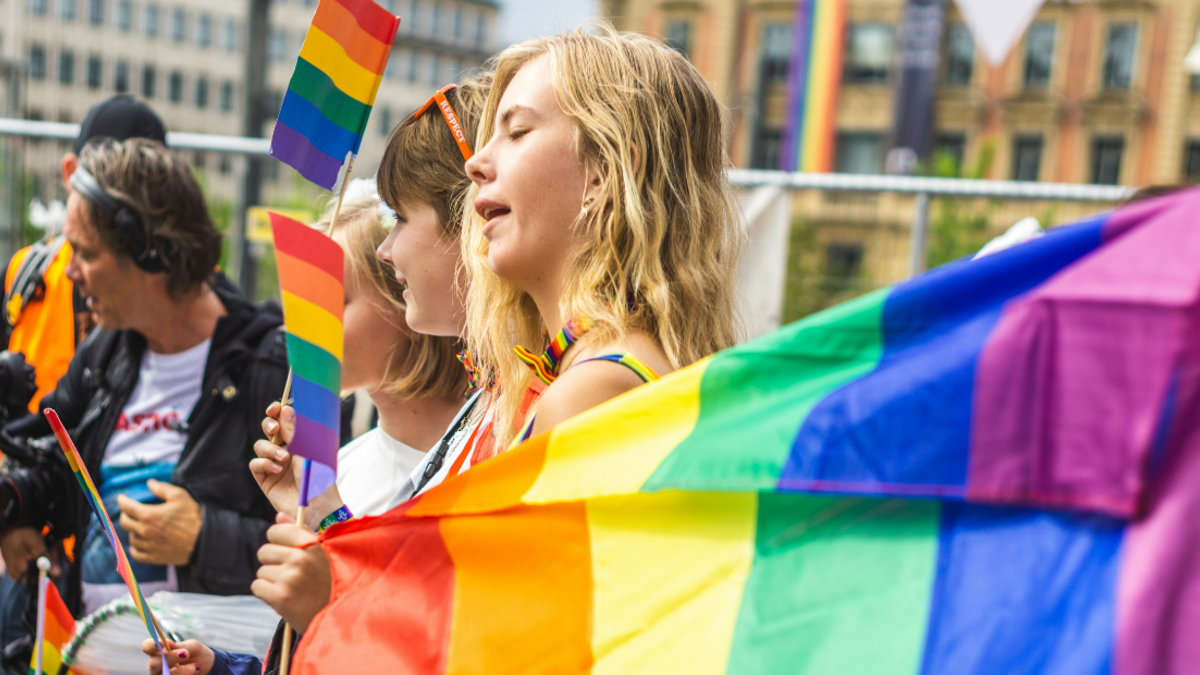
(148, 253)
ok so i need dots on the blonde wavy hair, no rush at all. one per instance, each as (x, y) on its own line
(420, 366)
(663, 241)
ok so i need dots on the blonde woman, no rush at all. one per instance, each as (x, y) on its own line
(602, 244)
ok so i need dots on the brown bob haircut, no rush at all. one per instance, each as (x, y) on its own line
(422, 162)
(160, 188)
(419, 366)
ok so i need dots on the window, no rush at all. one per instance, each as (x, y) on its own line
(1119, 43)
(204, 29)
(229, 35)
(121, 78)
(952, 146)
(1106, 159)
(37, 62)
(435, 71)
(1039, 54)
(414, 17)
(385, 121)
(458, 24)
(843, 261)
(960, 55)
(224, 164)
(1027, 158)
(149, 80)
(859, 152)
(868, 53)
(95, 72)
(411, 75)
(1191, 161)
(175, 87)
(68, 9)
(678, 35)
(768, 150)
(96, 12)
(226, 96)
(776, 53)
(202, 93)
(178, 25)
(39, 7)
(435, 25)
(480, 29)
(66, 67)
(150, 21)
(125, 16)
(200, 159)
(272, 102)
(393, 64)
(276, 45)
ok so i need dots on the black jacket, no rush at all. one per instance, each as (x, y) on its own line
(246, 370)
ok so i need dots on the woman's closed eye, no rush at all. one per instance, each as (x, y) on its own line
(516, 134)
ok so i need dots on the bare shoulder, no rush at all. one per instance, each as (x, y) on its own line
(585, 384)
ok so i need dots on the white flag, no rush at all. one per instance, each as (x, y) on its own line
(998, 24)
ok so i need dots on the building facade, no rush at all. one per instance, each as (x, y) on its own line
(1094, 92)
(186, 59)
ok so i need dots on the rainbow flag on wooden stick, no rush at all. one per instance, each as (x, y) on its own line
(993, 468)
(329, 98)
(311, 282)
(54, 630)
(97, 503)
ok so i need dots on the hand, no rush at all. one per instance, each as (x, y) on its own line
(295, 582)
(184, 658)
(21, 546)
(162, 534)
(277, 475)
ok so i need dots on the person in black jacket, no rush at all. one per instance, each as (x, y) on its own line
(164, 400)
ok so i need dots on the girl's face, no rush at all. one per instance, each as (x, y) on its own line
(532, 184)
(426, 263)
(372, 329)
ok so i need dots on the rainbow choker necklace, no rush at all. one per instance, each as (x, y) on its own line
(545, 366)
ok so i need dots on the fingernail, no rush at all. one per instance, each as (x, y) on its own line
(281, 455)
(183, 653)
(271, 427)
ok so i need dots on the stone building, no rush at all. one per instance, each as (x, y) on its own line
(1094, 92)
(186, 58)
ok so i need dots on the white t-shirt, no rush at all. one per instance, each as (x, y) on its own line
(458, 434)
(146, 444)
(371, 469)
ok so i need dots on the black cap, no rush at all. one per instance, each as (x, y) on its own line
(120, 118)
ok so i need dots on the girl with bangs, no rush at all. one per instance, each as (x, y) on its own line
(602, 239)
(421, 180)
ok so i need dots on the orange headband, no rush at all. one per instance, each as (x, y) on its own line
(451, 118)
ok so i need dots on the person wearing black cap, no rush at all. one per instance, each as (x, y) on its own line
(45, 318)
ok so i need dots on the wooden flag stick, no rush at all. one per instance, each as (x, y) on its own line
(285, 655)
(43, 565)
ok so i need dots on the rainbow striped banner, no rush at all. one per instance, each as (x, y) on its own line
(311, 282)
(816, 75)
(993, 468)
(93, 497)
(329, 98)
(54, 630)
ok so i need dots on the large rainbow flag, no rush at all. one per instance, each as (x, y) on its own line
(97, 504)
(329, 98)
(311, 273)
(991, 468)
(818, 34)
(54, 630)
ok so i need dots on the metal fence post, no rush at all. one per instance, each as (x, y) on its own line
(920, 229)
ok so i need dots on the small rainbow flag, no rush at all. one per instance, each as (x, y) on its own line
(816, 74)
(54, 630)
(311, 282)
(329, 98)
(93, 497)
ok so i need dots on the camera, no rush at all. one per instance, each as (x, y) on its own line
(18, 384)
(35, 486)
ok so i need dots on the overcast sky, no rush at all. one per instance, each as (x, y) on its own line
(525, 19)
